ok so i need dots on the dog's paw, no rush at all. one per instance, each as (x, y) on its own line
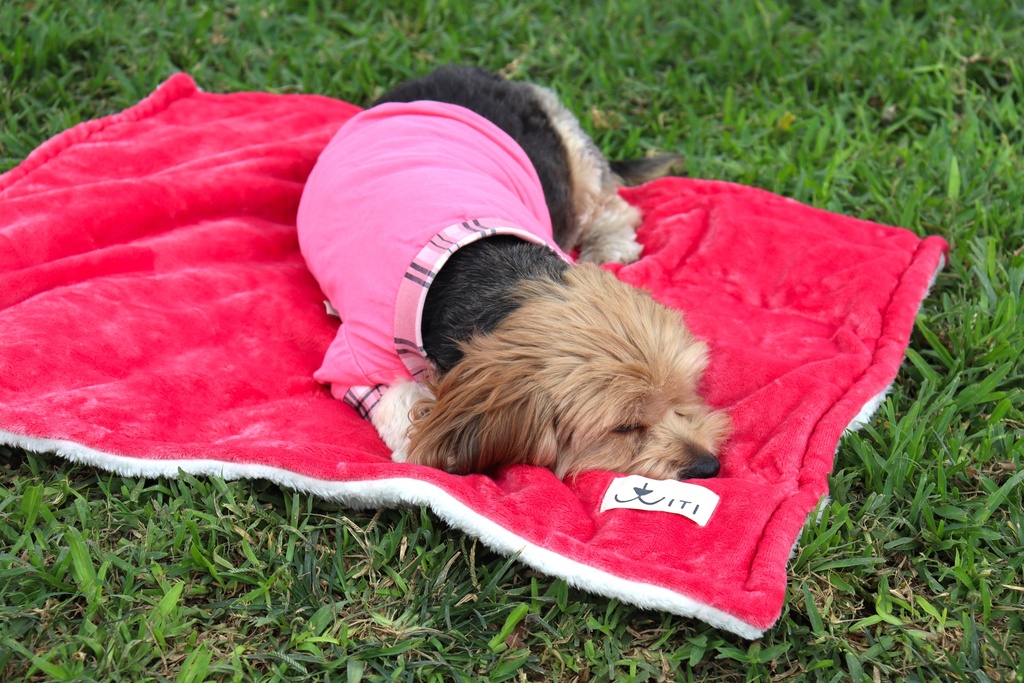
(393, 416)
(401, 453)
(611, 237)
(616, 249)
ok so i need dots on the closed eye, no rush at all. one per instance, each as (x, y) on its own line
(629, 428)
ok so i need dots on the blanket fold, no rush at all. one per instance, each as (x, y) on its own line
(155, 314)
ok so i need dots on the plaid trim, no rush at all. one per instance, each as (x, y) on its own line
(365, 399)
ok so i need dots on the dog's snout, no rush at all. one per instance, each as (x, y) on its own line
(704, 465)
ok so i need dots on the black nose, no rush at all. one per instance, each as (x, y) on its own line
(703, 466)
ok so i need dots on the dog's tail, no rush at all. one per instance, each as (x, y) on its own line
(637, 171)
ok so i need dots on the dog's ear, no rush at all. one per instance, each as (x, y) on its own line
(484, 416)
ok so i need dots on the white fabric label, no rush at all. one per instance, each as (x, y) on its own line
(640, 493)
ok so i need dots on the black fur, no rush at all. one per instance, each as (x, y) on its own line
(512, 107)
(475, 291)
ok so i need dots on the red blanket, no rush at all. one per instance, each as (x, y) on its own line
(155, 314)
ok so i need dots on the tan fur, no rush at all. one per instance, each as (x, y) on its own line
(592, 374)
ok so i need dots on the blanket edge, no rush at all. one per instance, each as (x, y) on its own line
(177, 86)
(395, 492)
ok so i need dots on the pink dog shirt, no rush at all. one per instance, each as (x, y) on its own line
(397, 190)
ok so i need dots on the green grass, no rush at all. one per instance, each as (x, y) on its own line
(907, 113)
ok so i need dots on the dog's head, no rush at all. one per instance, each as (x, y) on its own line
(586, 374)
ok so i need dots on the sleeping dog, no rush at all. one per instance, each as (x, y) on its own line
(438, 223)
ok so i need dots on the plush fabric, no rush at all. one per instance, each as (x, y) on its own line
(155, 313)
(381, 212)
